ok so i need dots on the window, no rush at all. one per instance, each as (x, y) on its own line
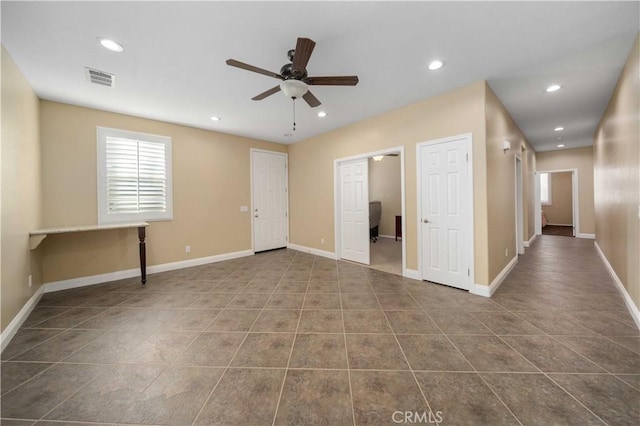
(134, 177)
(545, 189)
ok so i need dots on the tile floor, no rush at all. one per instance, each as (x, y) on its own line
(386, 255)
(287, 338)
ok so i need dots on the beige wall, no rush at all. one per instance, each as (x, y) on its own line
(501, 181)
(582, 160)
(311, 177)
(384, 186)
(21, 190)
(617, 177)
(560, 211)
(211, 180)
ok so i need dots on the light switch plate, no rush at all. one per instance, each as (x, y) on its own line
(244, 208)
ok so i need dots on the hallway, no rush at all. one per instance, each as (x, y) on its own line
(307, 340)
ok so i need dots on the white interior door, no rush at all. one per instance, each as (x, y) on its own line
(269, 174)
(445, 213)
(354, 210)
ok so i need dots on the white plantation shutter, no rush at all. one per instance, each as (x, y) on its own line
(134, 176)
(545, 188)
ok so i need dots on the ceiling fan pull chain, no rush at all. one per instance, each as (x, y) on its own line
(294, 114)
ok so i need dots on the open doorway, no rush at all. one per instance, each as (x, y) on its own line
(353, 231)
(385, 213)
(557, 202)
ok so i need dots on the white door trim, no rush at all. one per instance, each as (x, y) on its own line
(574, 200)
(286, 176)
(519, 196)
(470, 240)
(336, 198)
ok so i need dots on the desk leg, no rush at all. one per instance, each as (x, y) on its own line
(143, 254)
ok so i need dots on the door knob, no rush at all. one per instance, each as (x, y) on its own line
(425, 220)
(256, 216)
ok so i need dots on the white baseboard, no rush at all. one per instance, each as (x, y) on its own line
(314, 251)
(488, 290)
(528, 243)
(18, 320)
(411, 273)
(386, 236)
(633, 309)
(130, 273)
(559, 224)
(588, 236)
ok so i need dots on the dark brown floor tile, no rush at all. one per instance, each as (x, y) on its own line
(387, 286)
(228, 287)
(506, 323)
(37, 397)
(632, 380)
(323, 286)
(610, 356)
(436, 301)
(463, 399)
(297, 275)
(71, 318)
(211, 349)
(60, 346)
(400, 302)
(555, 323)
(551, 356)
(249, 301)
(319, 351)
(322, 301)
(458, 322)
(213, 300)
(106, 397)
(285, 301)
(188, 319)
(264, 350)
(602, 324)
(366, 301)
(121, 318)
(355, 286)
(234, 320)
(277, 321)
(25, 339)
(356, 321)
(321, 321)
(489, 353)
(292, 287)
(13, 422)
(174, 398)
(43, 313)
(473, 303)
(106, 300)
(318, 397)
(15, 373)
(177, 300)
(534, 399)
(260, 287)
(609, 398)
(432, 353)
(243, 397)
(375, 352)
(377, 395)
(411, 322)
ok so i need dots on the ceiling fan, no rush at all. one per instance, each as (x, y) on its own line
(294, 76)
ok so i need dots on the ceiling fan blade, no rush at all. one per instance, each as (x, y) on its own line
(266, 93)
(311, 99)
(304, 48)
(343, 80)
(242, 65)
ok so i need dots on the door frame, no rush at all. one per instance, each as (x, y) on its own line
(286, 190)
(574, 200)
(336, 198)
(470, 197)
(519, 196)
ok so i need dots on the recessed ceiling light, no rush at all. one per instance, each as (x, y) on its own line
(553, 88)
(561, 145)
(214, 118)
(435, 65)
(112, 45)
(558, 129)
(322, 114)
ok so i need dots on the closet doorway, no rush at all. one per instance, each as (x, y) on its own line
(557, 202)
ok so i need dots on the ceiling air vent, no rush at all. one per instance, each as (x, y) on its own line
(100, 77)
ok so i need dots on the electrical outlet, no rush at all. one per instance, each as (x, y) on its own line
(187, 249)
(244, 209)
(30, 280)
(321, 240)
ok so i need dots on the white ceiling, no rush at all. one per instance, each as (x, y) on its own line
(173, 67)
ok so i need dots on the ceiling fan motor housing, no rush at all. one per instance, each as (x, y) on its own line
(287, 73)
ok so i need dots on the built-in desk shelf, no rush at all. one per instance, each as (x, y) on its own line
(37, 236)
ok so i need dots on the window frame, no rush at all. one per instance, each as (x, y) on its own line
(549, 191)
(104, 217)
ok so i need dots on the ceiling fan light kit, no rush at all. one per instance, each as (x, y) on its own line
(294, 76)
